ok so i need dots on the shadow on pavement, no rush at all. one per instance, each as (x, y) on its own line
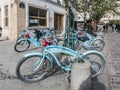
(86, 85)
(96, 85)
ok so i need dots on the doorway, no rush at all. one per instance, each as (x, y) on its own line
(58, 22)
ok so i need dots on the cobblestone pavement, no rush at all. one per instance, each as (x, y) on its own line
(114, 60)
(109, 80)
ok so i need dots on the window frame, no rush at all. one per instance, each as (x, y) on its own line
(0, 18)
(6, 16)
(37, 18)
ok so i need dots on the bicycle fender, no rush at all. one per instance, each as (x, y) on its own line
(96, 40)
(95, 52)
(39, 54)
(34, 53)
(23, 39)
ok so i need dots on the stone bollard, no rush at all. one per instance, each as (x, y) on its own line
(80, 76)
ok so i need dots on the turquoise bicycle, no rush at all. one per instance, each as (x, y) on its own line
(38, 40)
(37, 66)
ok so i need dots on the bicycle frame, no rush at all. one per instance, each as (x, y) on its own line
(52, 50)
(21, 36)
(32, 40)
(59, 49)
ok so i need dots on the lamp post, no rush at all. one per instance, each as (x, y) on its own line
(70, 30)
(71, 23)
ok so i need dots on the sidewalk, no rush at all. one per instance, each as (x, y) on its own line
(109, 80)
(3, 38)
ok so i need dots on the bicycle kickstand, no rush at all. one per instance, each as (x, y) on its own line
(68, 76)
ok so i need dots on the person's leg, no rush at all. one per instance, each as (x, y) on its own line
(119, 29)
(113, 30)
(116, 29)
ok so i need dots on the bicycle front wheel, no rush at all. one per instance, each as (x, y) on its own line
(97, 61)
(26, 72)
(22, 45)
(98, 44)
(100, 36)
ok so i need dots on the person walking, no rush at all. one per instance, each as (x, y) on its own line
(106, 28)
(114, 28)
(118, 28)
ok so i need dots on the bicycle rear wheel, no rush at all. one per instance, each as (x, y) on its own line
(97, 61)
(22, 45)
(26, 72)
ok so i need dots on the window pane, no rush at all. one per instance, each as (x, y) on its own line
(42, 13)
(37, 17)
(33, 11)
(6, 16)
(42, 22)
(6, 21)
(6, 10)
(33, 22)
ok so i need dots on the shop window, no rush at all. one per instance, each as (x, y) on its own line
(37, 17)
(6, 16)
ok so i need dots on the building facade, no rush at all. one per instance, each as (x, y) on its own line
(15, 15)
(111, 16)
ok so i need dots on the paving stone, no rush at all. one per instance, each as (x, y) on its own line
(115, 82)
(114, 62)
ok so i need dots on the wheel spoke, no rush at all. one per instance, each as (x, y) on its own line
(25, 69)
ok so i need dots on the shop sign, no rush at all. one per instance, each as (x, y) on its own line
(21, 5)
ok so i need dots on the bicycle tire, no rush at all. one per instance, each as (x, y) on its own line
(18, 43)
(20, 37)
(100, 36)
(30, 78)
(100, 44)
(100, 60)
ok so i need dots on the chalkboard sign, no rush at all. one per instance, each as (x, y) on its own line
(21, 5)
